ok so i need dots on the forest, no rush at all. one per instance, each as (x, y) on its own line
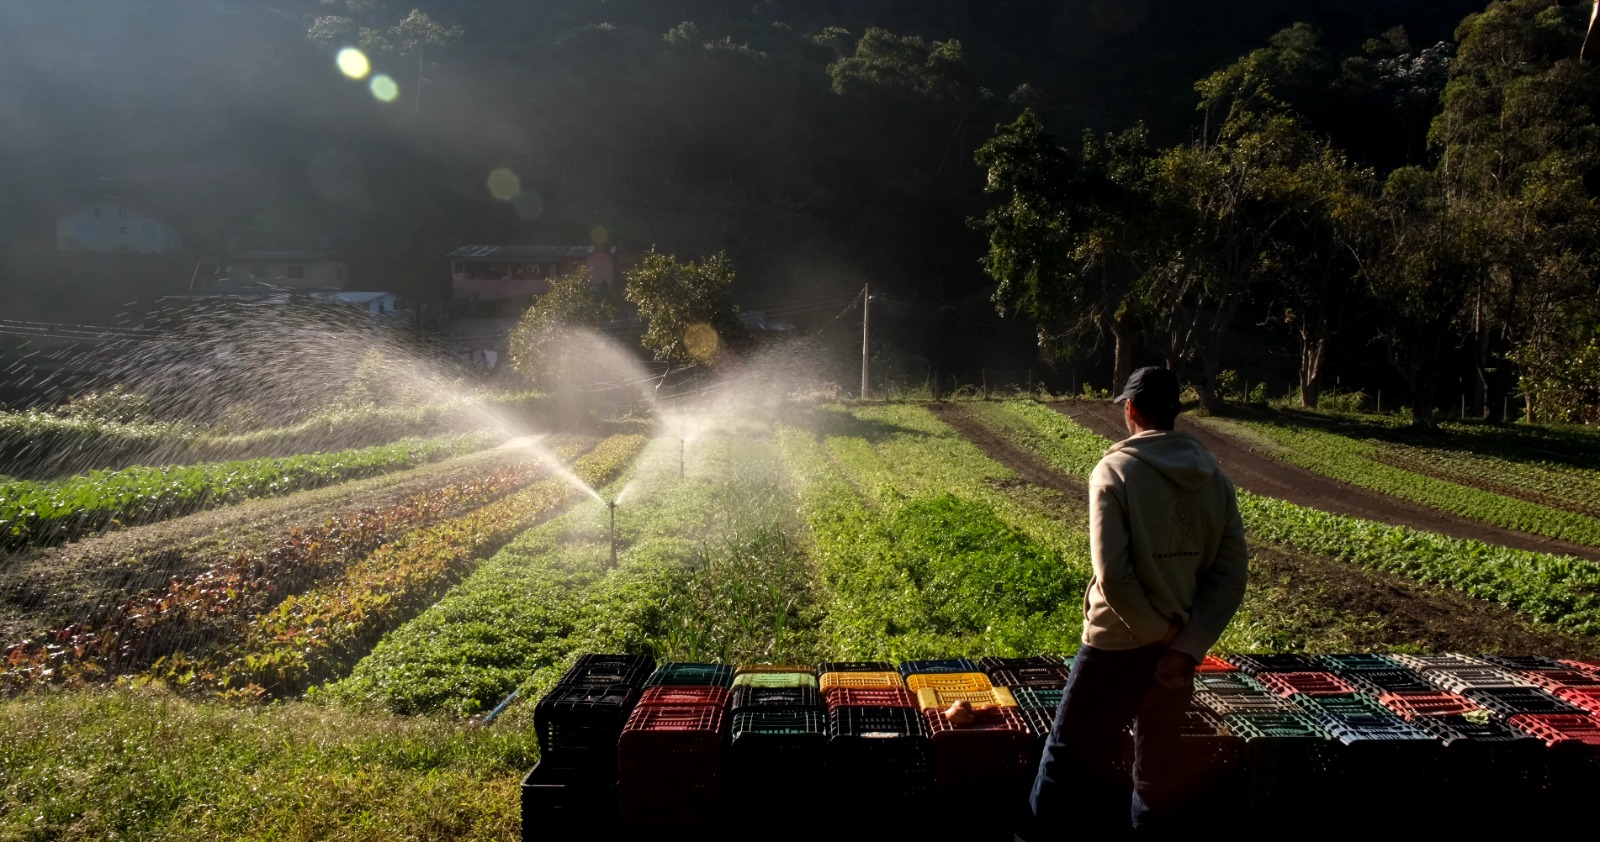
(1391, 195)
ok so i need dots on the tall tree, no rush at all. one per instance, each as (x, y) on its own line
(541, 346)
(687, 307)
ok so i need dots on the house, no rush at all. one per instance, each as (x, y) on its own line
(379, 305)
(290, 269)
(109, 225)
(507, 273)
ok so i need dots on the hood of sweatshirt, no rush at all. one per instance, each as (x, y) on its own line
(1180, 457)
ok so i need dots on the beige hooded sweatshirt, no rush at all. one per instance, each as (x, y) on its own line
(1168, 544)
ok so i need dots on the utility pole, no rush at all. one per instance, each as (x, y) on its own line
(866, 303)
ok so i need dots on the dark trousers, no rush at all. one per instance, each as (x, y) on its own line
(1083, 781)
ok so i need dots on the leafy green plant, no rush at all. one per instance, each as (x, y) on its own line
(33, 513)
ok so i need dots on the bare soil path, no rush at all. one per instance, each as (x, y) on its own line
(1328, 603)
(1261, 473)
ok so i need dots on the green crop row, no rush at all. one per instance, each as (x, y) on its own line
(208, 606)
(705, 573)
(1561, 486)
(41, 445)
(1361, 463)
(919, 556)
(1559, 590)
(317, 634)
(33, 513)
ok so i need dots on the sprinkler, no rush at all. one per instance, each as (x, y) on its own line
(613, 507)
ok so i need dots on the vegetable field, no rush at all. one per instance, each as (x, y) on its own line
(345, 645)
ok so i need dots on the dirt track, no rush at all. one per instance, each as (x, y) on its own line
(1330, 603)
(1262, 474)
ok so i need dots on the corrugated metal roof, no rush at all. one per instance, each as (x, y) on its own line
(288, 255)
(521, 252)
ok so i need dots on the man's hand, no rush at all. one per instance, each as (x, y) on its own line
(1175, 670)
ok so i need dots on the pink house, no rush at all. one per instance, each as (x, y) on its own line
(498, 273)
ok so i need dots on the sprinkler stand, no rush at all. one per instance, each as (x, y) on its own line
(613, 507)
(682, 444)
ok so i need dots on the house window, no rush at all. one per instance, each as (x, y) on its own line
(258, 272)
(297, 272)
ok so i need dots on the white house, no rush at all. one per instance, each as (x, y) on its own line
(110, 225)
(295, 269)
(379, 305)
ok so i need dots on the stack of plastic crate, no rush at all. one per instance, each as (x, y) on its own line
(1042, 672)
(983, 760)
(1254, 665)
(1483, 756)
(1230, 693)
(779, 739)
(878, 750)
(1287, 762)
(1038, 709)
(1573, 753)
(578, 723)
(1290, 684)
(1380, 752)
(670, 755)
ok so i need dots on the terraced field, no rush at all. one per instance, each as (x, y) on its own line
(386, 616)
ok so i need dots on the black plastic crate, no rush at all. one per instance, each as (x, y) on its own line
(593, 669)
(698, 675)
(1351, 663)
(1282, 662)
(1505, 702)
(1210, 762)
(561, 797)
(991, 664)
(1523, 662)
(1399, 680)
(855, 666)
(1046, 678)
(936, 667)
(578, 725)
(747, 699)
(880, 756)
(1487, 757)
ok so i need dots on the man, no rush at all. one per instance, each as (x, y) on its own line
(1169, 573)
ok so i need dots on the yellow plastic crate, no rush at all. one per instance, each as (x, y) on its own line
(864, 680)
(931, 698)
(744, 668)
(775, 679)
(949, 681)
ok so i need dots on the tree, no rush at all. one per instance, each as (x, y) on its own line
(687, 307)
(541, 346)
(1073, 234)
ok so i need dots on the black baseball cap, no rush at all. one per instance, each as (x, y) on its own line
(1152, 388)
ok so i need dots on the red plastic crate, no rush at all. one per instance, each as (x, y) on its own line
(1287, 684)
(1554, 680)
(657, 738)
(1587, 698)
(869, 697)
(684, 696)
(982, 768)
(669, 764)
(1559, 728)
(1212, 663)
(1409, 706)
(1590, 667)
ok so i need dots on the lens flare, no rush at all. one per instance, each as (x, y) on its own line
(384, 88)
(599, 235)
(504, 184)
(701, 341)
(353, 63)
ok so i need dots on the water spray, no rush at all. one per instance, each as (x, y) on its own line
(613, 506)
(682, 444)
